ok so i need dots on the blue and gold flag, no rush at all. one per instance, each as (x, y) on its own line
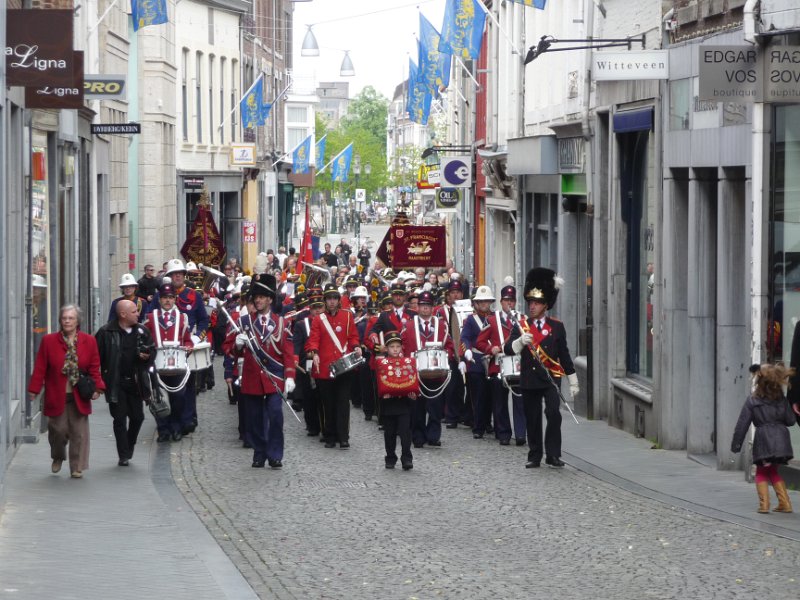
(462, 30)
(148, 12)
(252, 106)
(434, 66)
(418, 105)
(340, 169)
(301, 157)
(534, 3)
(319, 151)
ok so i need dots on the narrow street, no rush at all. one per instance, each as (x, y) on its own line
(468, 522)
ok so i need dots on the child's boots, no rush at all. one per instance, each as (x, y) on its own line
(784, 504)
(763, 496)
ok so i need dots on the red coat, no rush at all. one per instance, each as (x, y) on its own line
(47, 372)
(168, 335)
(490, 336)
(278, 348)
(440, 334)
(319, 341)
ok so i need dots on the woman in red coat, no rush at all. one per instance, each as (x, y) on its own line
(61, 359)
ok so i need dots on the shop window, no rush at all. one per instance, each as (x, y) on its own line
(638, 213)
(185, 94)
(211, 98)
(680, 101)
(545, 231)
(784, 279)
(198, 96)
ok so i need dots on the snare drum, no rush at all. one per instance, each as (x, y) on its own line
(171, 360)
(347, 363)
(200, 358)
(432, 363)
(510, 367)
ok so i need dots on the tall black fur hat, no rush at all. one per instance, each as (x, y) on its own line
(542, 284)
(263, 284)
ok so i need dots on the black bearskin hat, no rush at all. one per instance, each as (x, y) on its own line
(542, 284)
(263, 284)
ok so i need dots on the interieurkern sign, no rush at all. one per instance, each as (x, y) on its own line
(38, 50)
(736, 73)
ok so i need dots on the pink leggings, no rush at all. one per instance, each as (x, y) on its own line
(768, 473)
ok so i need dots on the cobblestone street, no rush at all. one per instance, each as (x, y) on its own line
(468, 522)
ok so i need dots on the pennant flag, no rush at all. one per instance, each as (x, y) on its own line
(418, 104)
(319, 151)
(252, 106)
(462, 30)
(534, 3)
(434, 66)
(340, 171)
(301, 157)
(148, 12)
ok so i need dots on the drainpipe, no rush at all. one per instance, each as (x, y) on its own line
(586, 131)
(750, 22)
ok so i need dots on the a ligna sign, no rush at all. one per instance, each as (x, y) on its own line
(38, 51)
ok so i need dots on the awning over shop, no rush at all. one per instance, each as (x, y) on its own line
(633, 120)
(533, 156)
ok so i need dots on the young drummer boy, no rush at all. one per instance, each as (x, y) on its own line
(395, 410)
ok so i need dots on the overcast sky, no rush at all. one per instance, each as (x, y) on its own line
(379, 43)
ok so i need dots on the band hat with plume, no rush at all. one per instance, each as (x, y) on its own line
(542, 284)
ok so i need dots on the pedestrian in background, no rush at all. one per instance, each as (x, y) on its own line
(126, 349)
(148, 284)
(363, 256)
(770, 412)
(65, 358)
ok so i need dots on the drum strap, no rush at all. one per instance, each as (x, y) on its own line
(324, 318)
(435, 330)
(500, 328)
(156, 314)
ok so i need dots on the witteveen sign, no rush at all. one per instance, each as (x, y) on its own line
(630, 66)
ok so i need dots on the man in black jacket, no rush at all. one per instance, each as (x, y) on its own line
(126, 348)
(541, 342)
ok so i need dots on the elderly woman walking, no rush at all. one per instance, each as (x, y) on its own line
(68, 361)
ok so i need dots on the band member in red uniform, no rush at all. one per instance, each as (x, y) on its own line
(396, 319)
(423, 329)
(397, 409)
(169, 326)
(309, 392)
(476, 372)
(363, 392)
(333, 334)
(547, 337)
(455, 408)
(270, 370)
(491, 341)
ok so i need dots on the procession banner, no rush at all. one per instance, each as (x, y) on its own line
(418, 246)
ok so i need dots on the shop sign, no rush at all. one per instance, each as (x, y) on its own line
(570, 154)
(70, 96)
(193, 183)
(249, 232)
(455, 171)
(243, 155)
(104, 87)
(782, 74)
(116, 128)
(423, 178)
(447, 199)
(630, 66)
(38, 48)
(730, 73)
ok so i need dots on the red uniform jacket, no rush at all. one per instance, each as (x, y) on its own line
(371, 343)
(389, 321)
(47, 372)
(320, 341)
(490, 336)
(345, 302)
(278, 354)
(440, 334)
(156, 323)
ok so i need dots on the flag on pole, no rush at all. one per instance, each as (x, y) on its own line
(301, 157)
(319, 151)
(253, 107)
(418, 104)
(462, 30)
(434, 66)
(340, 171)
(534, 3)
(148, 12)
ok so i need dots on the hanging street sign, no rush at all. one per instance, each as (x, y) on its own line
(116, 128)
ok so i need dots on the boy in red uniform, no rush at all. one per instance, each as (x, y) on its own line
(395, 410)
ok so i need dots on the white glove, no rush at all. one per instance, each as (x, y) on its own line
(241, 340)
(518, 345)
(288, 385)
(462, 366)
(468, 355)
(195, 339)
(574, 387)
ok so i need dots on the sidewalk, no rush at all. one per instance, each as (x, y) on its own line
(670, 476)
(117, 533)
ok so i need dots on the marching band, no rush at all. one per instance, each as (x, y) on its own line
(325, 344)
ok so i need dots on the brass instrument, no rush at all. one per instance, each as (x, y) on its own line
(211, 275)
(314, 276)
